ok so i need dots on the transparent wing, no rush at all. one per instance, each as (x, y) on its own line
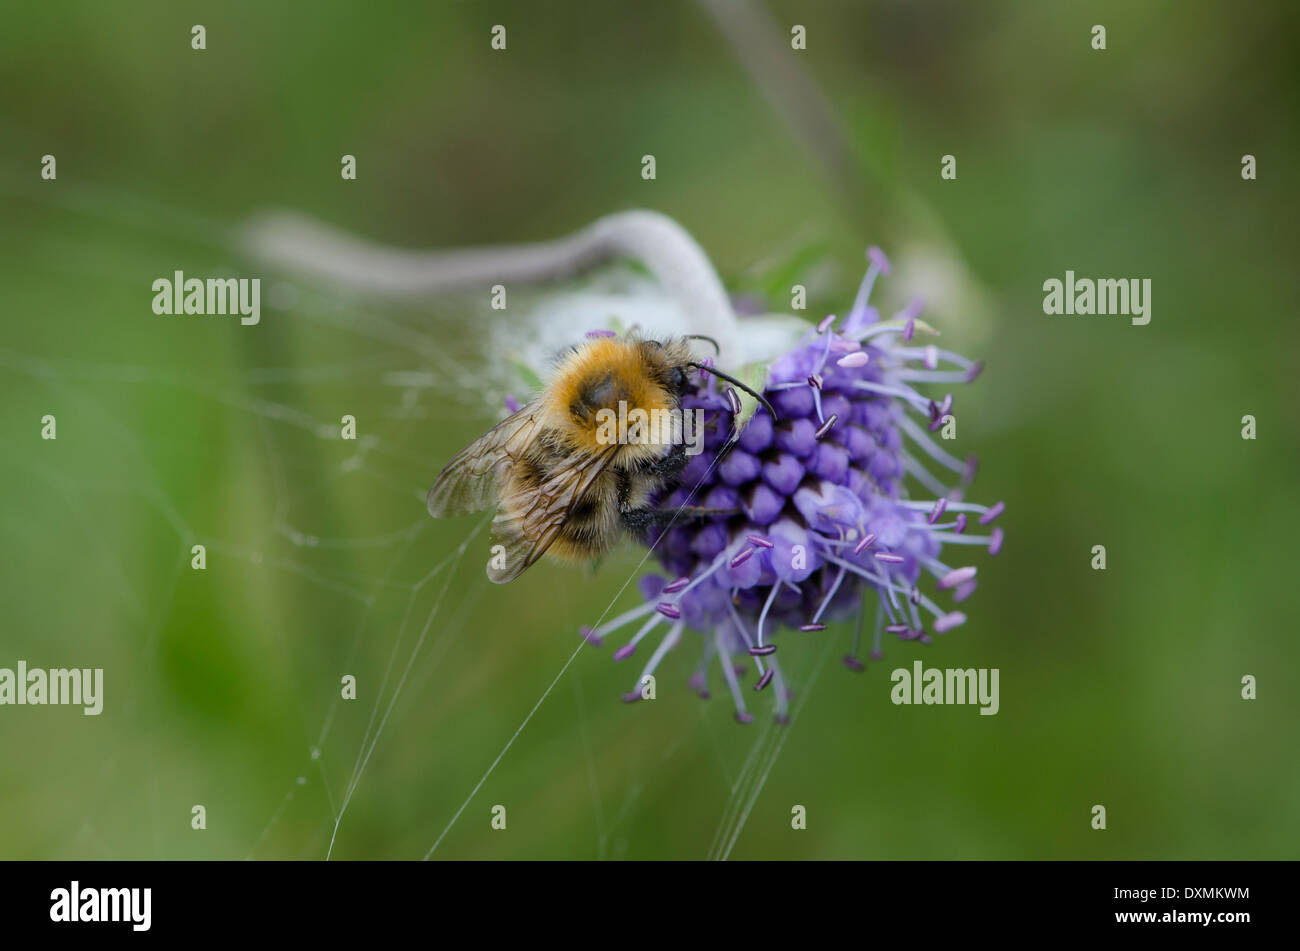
(471, 481)
(530, 519)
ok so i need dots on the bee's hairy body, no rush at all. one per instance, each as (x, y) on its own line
(559, 486)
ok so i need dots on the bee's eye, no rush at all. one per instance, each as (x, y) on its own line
(677, 376)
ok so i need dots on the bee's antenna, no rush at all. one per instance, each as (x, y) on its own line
(716, 348)
(731, 379)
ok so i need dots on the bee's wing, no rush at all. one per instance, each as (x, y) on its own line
(530, 519)
(469, 483)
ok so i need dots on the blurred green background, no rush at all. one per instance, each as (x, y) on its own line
(1119, 688)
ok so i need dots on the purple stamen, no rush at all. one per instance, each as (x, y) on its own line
(992, 513)
(745, 554)
(995, 541)
(937, 511)
(512, 404)
(864, 544)
(589, 635)
(878, 258)
(909, 329)
(897, 629)
(955, 577)
(763, 651)
(961, 523)
(733, 401)
(976, 369)
(624, 652)
(852, 663)
(826, 426)
(764, 680)
(949, 621)
(810, 628)
(668, 610)
(677, 585)
(858, 358)
(744, 716)
(815, 381)
(596, 334)
(825, 323)
(889, 559)
(632, 697)
(760, 540)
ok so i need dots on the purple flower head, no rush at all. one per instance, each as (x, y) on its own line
(817, 510)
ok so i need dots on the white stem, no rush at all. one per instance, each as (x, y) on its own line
(309, 248)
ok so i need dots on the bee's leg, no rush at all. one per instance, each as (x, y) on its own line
(640, 519)
(670, 466)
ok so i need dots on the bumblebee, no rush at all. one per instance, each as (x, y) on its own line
(559, 483)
